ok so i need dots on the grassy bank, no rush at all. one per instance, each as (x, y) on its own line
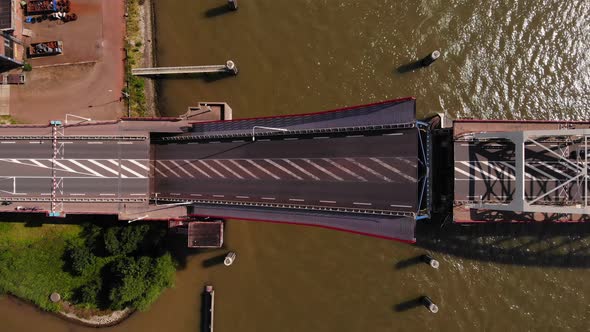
(135, 86)
(91, 267)
(7, 119)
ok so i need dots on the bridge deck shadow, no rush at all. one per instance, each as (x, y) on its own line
(527, 244)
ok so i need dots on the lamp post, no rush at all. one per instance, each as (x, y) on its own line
(78, 117)
(267, 128)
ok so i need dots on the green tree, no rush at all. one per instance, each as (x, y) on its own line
(80, 257)
(88, 293)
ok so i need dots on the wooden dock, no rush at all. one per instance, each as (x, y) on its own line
(229, 67)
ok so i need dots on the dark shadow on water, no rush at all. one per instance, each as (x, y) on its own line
(408, 305)
(529, 244)
(409, 67)
(206, 77)
(410, 262)
(213, 261)
(218, 11)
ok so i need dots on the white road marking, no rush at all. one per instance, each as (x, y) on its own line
(45, 194)
(284, 169)
(66, 168)
(214, 142)
(352, 136)
(212, 169)
(541, 172)
(105, 168)
(38, 163)
(197, 169)
(242, 196)
(301, 169)
(86, 168)
(400, 206)
(269, 198)
(263, 169)
(219, 196)
(94, 143)
(169, 169)
(137, 194)
(555, 170)
(344, 169)
(290, 139)
(368, 169)
(394, 134)
(468, 164)
(329, 202)
(174, 194)
(243, 169)
(197, 195)
(8, 142)
(124, 142)
(361, 203)
(78, 194)
(323, 170)
(514, 168)
(296, 200)
(321, 137)
(180, 168)
(238, 141)
(15, 161)
(499, 169)
(457, 169)
(126, 168)
(35, 142)
(228, 169)
(393, 169)
(107, 194)
(138, 164)
(263, 140)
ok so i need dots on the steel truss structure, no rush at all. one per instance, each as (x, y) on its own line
(572, 161)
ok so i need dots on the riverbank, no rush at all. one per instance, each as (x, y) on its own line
(140, 50)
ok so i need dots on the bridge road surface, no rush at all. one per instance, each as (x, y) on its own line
(487, 172)
(368, 172)
(89, 168)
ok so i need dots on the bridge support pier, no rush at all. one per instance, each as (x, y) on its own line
(231, 66)
(430, 261)
(430, 58)
(233, 4)
(229, 258)
(429, 304)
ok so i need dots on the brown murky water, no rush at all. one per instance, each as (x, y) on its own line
(499, 60)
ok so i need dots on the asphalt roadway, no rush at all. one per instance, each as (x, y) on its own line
(368, 171)
(84, 168)
(487, 172)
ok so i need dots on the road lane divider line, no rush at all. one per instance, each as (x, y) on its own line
(212, 169)
(77, 194)
(197, 169)
(8, 142)
(86, 168)
(296, 200)
(400, 206)
(242, 196)
(394, 134)
(322, 169)
(93, 142)
(168, 168)
(355, 136)
(393, 169)
(243, 169)
(137, 194)
(321, 137)
(263, 169)
(180, 168)
(196, 195)
(329, 202)
(228, 169)
(218, 196)
(138, 164)
(362, 203)
(368, 169)
(344, 169)
(127, 169)
(269, 198)
(107, 194)
(275, 164)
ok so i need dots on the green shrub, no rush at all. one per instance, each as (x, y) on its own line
(27, 67)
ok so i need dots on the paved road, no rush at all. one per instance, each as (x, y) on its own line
(487, 172)
(87, 169)
(376, 171)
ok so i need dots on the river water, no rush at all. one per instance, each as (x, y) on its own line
(500, 59)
